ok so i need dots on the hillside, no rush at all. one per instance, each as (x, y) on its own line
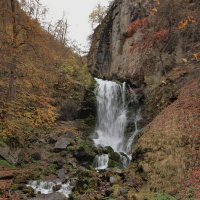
(43, 83)
(39, 75)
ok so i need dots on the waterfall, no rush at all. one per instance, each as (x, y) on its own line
(112, 120)
(111, 114)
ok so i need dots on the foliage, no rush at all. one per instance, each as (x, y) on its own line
(43, 72)
(135, 25)
(151, 39)
(190, 193)
(4, 163)
(184, 23)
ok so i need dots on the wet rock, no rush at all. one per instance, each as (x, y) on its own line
(83, 156)
(61, 144)
(11, 155)
(53, 196)
(28, 191)
(56, 188)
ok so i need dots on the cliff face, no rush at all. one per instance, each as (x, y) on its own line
(143, 42)
(138, 39)
(154, 46)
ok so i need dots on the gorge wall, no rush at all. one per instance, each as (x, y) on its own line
(154, 46)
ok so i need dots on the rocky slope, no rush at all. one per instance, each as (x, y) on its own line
(154, 46)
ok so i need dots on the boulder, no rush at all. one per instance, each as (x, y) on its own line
(11, 155)
(61, 144)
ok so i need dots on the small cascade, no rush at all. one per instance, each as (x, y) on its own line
(46, 187)
(101, 162)
(137, 117)
(112, 122)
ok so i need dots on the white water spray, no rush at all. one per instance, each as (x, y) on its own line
(112, 121)
(46, 187)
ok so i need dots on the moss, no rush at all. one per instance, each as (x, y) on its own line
(112, 163)
(29, 191)
(116, 190)
(52, 168)
(4, 163)
(164, 196)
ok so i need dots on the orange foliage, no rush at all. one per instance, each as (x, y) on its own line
(140, 23)
(197, 56)
(183, 24)
(151, 39)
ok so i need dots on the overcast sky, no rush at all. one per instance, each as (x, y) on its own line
(77, 12)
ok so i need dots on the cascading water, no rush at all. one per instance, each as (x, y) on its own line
(112, 118)
(112, 121)
(46, 187)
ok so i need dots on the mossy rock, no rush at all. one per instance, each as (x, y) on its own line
(113, 164)
(29, 191)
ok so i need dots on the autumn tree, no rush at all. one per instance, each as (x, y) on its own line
(97, 15)
(15, 36)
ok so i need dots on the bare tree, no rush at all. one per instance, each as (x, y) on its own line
(34, 9)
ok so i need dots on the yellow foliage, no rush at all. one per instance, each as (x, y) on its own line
(153, 11)
(158, 2)
(45, 116)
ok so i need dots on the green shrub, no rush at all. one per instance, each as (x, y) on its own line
(190, 193)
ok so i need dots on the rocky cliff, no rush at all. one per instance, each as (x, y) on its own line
(154, 46)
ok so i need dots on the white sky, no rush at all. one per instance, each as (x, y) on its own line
(77, 12)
